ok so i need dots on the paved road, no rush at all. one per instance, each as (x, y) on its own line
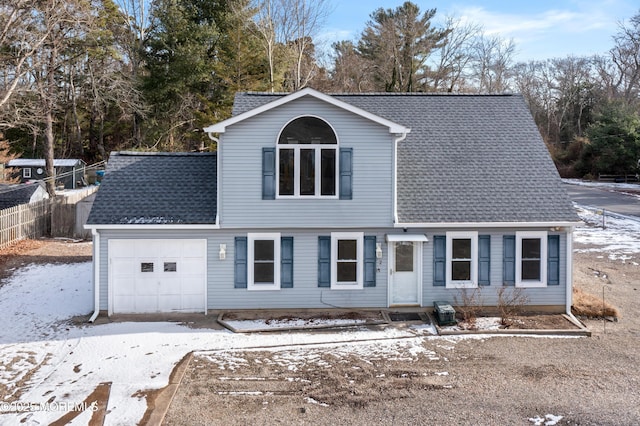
(612, 201)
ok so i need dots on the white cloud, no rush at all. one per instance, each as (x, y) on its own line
(520, 25)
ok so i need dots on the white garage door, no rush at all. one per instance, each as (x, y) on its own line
(157, 275)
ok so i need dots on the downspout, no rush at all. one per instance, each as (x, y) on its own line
(395, 175)
(218, 163)
(569, 283)
(96, 274)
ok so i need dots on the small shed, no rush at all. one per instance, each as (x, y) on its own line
(69, 172)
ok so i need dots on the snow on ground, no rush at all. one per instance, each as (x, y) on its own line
(266, 324)
(616, 235)
(619, 239)
(46, 358)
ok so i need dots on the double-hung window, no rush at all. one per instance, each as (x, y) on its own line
(531, 259)
(307, 158)
(462, 260)
(263, 258)
(347, 252)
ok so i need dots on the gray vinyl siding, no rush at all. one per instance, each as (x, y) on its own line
(240, 195)
(106, 235)
(305, 293)
(554, 295)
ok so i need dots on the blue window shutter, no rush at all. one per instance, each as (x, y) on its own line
(439, 260)
(346, 173)
(553, 260)
(324, 261)
(268, 173)
(369, 261)
(509, 259)
(286, 262)
(484, 259)
(240, 263)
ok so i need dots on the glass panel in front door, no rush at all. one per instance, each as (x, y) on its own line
(404, 257)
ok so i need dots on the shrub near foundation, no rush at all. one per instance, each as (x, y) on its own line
(469, 304)
(511, 301)
(590, 306)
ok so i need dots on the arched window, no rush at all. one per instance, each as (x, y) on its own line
(307, 159)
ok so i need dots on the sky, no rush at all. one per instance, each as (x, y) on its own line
(541, 29)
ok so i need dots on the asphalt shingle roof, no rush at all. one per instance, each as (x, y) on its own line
(157, 188)
(468, 158)
(14, 195)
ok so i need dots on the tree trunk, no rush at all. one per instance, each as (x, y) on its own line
(48, 98)
(48, 154)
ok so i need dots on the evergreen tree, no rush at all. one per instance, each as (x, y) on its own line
(397, 43)
(181, 83)
(614, 142)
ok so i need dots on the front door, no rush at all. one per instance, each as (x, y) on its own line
(405, 273)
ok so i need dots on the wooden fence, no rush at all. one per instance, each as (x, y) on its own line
(62, 216)
(25, 221)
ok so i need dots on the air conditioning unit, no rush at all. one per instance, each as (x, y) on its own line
(445, 314)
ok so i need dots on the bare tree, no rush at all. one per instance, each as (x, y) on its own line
(41, 47)
(132, 42)
(351, 72)
(492, 64)
(454, 57)
(22, 34)
(303, 21)
(266, 26)
(626, 57)
(287, 29)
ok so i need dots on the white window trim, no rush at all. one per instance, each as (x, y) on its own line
(296, 172)
(542, 235)
(473, 236)
(276, 260)
(26, 172)
(296, 161)
(358, 284)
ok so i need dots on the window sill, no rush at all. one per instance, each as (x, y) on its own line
(531, 284)
(346, 287)
(270, 287)
(461, 284)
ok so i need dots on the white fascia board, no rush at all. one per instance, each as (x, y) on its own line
(393, 127)
(153, 227)
(470, 225)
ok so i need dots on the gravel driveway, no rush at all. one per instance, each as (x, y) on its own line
(485, 381)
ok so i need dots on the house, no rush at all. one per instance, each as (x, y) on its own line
(69, 172)
(350, 201)
(22, 193)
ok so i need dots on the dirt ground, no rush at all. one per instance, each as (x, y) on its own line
(482, 381)
(485, 381)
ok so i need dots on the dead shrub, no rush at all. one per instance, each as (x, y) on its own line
(511, 301)
(469, 304)
(590, 306)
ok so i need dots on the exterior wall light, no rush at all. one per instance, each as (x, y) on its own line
(379, 250)
(223, 251)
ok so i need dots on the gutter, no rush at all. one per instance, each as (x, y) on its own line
(399, 139)
(96, 273)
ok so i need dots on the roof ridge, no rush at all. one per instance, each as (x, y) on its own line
(453, 94)
(162, 154)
